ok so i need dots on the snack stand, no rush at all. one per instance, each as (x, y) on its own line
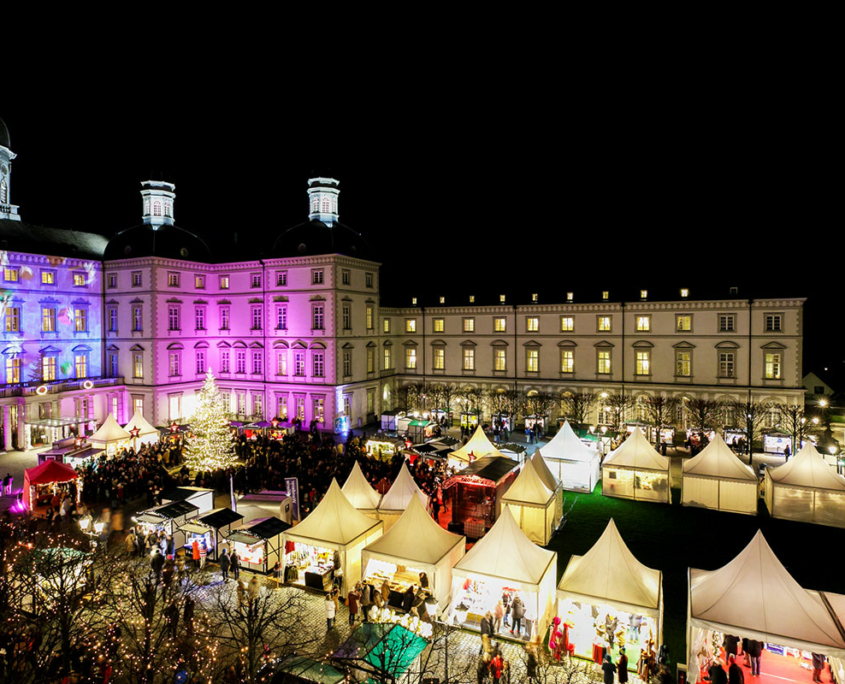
(335, 526)
(503, 565)
(536, 508)
(220, 522)
(415, 544)
(168, 518)
(259, 544)
(421, 430)
(715, 478)
(775, 442)
(607, 599)
(476, 493)
(575, 464)
(534, 421)
(383, 447)
(71, 451)
(202, 498)
(111, 437)
(636, 471)
(470, 419)
(397, 498)
(42, 482)
(361, 493)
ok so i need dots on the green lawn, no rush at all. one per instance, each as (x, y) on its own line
(674, 538)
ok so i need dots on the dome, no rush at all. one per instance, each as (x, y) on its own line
(169, 242)
(315, 237)
(5, 141)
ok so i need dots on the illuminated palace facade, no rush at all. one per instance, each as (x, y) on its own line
(94, 326)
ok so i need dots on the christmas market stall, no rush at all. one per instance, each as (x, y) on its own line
(111, 437)
(576, 465)
(477, 447)
(201, 497)
(265, 503)
(415, 553)
(754, 597)
(214, 526)
(140, 431)
(329, 540)
(43, 482)
(806, 488)
(361, 493)
(636, 471)
(608, 600)
(716, 478)
(167, 518)
(536, 508)
(506, 566)
(397, 498)
(389, 420)
(71, 451)
(475, 494)
(259, 544)
(384, 447)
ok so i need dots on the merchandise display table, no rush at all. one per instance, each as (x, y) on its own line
(319, 578)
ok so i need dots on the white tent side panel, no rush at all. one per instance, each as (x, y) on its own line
(717, 494)
(702, 492)
(576, 476)
(830, 508)
(738, 497)
(641, 485)
(538, 522)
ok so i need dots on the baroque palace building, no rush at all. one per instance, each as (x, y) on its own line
(94, 326)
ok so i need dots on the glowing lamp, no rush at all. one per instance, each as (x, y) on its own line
(461, 614)
(99, 526)
(42, 390)
(431, 606)
(84, 523)
(832, 449)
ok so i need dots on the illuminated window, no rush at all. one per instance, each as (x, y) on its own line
(386, 325)
(603, 361)
(281, 363)
(500, 324)
(48, 320)
(11, 275)
(283, 407)
(570, 296)
(410, 358)
(439, 325)
(318, 365)
(535, 297)
(78, 279)
(469, 325)
(175, 367)
(604, 323)
(472, 299)
(443, 300)
(13, 370)
(727, 365)
(410, 325)
(643, 323)
(371, 360)
(80, 320)
(643, 294)
(532, 361)
(500, 360)
(643, 362)
(81, 365)
(684, 292)
(173, 280)
(369, 317)
(371, 401)
(439, 358)
(138, 365)
(683, 363)
(773, 366)
(469, 358)
(683, 323)
(605, 295)
(567, 324)
(48, 368)
(318, 410)
(388, 362)
(224, 282)
(13, 319)
(48, 278)
(413, 301)
(567, 361)
(199, 282)
(501, 299)
(532, 324)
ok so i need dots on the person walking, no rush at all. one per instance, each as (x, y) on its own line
(224, 565)
(755, 650)
(330, 612)
(608, 670)
(203, 554)
(366, 600)
(254, 589)
(818, 666)
(195, 553)
(353, 603)
(157, 563)
(518, 610)
(498, 614)
(622, 667)
(497, 666)
(531, 663)
(235, 565)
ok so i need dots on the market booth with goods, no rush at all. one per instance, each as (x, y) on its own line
(608, 600)
(111, 437)
(636, 471)
(361, 494)
(415, 554)
(475, 494)
(211, 529)
(42, 483)
(259, 544)
(575, 464)
(754, 600)
(536, 508)
(478, 446)
(717, 479)
(806, 488)
(397, 498)
(328, 542)
(506, 566)
(168, 518)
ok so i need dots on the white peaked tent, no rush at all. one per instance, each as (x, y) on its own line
(636, 471)
(609, 574)
(754, 596)
(716, 478)
(505, 557)
(394, 503)
(576, 465)
(417, 542)
(477, 447)
(111, 436)
(337, 524)
(147, 434)
(533, 505)
(806, 488)
(361, 493)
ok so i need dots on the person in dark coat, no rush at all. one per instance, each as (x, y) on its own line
(157, 563)
(755, 650)
(224, 565)
(731, 646)
(622, 667)
(818, 666)
(609, 669)
(717, 673)
(531, 663)
(235, 566)
(408, 599)
(735, 673)
(518, 610)
(486, 629)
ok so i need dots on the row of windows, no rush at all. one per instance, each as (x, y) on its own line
(683, 323)
(12, 274)
(174, 279)
(78, 317)
(48, 368)
(256, 365)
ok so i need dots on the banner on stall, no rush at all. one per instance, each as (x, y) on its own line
(292, 488)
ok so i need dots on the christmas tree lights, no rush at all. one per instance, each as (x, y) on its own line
(210, 445)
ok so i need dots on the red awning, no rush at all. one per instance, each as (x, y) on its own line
(51, 471)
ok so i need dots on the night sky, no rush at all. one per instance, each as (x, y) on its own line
(498, 187)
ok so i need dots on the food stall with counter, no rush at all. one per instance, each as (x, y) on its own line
(470, 419)
(71, 451)
(42, 482)
(607, 599)
(202, 498)
(218, 523)
(168, 518)
(259, 544)
(504, 565)
(334, 525)
(384, 447)
(476, 492)
(416, 551)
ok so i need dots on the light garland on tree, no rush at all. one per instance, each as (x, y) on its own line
(210, 447)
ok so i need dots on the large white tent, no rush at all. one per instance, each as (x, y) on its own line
(147, 434)
(609, 575)
(754, 596)
(419, 543)
(361, 493)
(477, 447)
(533, 505)
(716, 478)
(806, 488)
(337, 524)
(505, 557)
(636, 471)
(576, 465)
(394, 503)
(111, 436)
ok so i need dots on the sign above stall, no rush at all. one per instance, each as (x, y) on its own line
(292, 488)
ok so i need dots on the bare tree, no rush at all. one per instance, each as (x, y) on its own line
(704, 415)
(565, 671)
(536, 403)
(795, 422)
(578, 406)
(383, 653)
(619, 405)
(660, 411)
(503, 401)
(409, 395)
(751, 417)
(473, 398)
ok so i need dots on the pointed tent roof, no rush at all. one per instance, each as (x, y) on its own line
(610, 571)
(543, 471)
(50, 471)
(138, 421)
(807, 469)
(110, 431)
(507, 553)
(566, 445)
(717, 460)
(401, 492)
(360, 492)
(528, 488)
(416, 537)
(754, 592)
(478, 445)
(636, 452)
(334, 520)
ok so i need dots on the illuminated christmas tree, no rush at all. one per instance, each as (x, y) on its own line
(210, 446)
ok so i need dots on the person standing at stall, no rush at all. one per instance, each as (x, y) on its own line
(235, 565)
(608, 669)
(518, 609)
(224, 565)
(622, 667)
(330, 612)
(352, 602)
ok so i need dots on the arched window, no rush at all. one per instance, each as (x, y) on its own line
(4, 192)
(315, 204)
(327, 205)
(156, 208)
(168, 209)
